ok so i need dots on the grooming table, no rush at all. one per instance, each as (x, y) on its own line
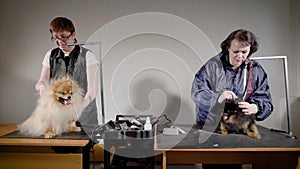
(17, 151)
(273, 150)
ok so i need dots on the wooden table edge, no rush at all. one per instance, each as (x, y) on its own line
(8, 128)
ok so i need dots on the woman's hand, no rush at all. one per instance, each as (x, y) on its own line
(43, 81)
(41, 88)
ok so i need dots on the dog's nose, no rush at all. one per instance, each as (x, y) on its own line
(69, 97)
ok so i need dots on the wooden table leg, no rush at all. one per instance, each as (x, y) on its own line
(164, 160)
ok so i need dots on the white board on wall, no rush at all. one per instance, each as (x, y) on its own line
(276, 69)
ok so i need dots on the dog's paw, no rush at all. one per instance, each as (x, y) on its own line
(257, 136)
(253, 132)
(253, 135)
(75, 129)
(50, 134)
(223, 129)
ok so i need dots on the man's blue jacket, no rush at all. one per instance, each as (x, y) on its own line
(217, 75)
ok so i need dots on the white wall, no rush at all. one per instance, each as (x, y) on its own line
(25, 39)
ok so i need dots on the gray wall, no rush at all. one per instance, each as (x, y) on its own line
(149, 58)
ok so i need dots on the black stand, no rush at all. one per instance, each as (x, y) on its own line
(129, 149)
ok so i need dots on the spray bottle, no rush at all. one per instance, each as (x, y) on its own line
(148, 125)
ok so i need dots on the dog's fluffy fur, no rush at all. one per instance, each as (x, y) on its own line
(235, 121)
(56, 109)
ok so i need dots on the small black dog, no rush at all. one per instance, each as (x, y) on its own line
(233, 120)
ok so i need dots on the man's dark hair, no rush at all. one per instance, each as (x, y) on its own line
(245, 37)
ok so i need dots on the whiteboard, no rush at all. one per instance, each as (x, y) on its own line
(276, 69)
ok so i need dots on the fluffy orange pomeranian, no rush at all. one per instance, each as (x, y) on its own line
(56, 109)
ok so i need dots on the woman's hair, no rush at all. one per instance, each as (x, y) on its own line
(61, 24)
(245, 37)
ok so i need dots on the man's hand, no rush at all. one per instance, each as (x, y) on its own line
(248, 108)
(227, 95)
